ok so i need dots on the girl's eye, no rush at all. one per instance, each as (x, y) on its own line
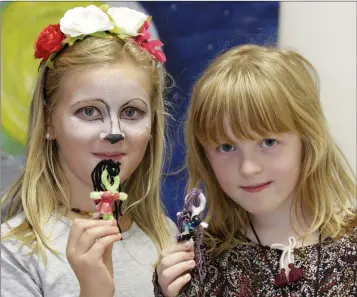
(269, 142)
(89, 113)
(226, 148)
(131, 113)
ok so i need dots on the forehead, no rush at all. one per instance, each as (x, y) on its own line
(125, 81)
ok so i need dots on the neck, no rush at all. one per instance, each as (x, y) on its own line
(277, 226)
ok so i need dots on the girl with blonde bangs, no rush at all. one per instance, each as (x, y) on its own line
(99, 97)
(281, 194)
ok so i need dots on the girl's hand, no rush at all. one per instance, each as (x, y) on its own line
(89, 252)
(174, 263)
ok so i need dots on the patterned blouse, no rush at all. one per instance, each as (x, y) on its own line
(329, 269)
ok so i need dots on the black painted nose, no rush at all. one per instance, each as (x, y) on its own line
(114, 138)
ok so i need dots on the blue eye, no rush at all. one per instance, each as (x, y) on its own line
(89, 113)
(129, 112)
(132, 113)
(269, 142)
(226, 148)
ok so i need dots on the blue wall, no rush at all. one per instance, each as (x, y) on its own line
(193, 34)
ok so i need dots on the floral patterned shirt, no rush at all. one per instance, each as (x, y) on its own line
(329, 269)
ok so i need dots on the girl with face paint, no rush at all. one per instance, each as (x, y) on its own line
(97, 99)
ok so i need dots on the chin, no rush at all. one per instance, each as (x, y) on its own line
(258, 212)
(259, 208)
(263, 210)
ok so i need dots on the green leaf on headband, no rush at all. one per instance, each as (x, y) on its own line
(104, 7)
(100, 34)
(148, 19)
(49, 63)
(119, 32)
(71, 40)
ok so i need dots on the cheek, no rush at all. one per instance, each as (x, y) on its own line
(137, 137)
(287, 170)
(137, 129)
(70, 130)
(138, 143)
(295, 162)
(221, 168)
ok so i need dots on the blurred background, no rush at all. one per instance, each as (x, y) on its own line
(193, 34)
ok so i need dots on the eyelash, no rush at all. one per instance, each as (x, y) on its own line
(135, 109)
(219, 148)
(275, 142)
(83, 109)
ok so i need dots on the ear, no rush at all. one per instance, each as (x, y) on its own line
(50, 135)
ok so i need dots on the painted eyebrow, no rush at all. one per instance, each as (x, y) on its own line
(127, 103)
(106, 104)
(90, 99)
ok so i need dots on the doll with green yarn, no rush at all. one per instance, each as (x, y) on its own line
(106, 182)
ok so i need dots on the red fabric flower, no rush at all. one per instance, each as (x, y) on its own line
(48, 42)
(144, 33)
(149, 46)
(157, 54)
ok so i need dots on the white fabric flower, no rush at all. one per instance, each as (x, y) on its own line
(127, 21)
(84, 21)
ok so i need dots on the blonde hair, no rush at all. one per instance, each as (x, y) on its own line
(42, 188)
(267, 90)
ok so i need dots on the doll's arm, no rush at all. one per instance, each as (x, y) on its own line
(95, 195)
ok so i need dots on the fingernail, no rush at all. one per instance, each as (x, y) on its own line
(188, 244)
(192, 262)
(187, 276)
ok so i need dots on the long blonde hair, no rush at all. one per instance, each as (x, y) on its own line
(267, 90)
(42, 188)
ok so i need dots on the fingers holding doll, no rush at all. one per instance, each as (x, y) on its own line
(88, 252)
(84, 233)
(174, 265)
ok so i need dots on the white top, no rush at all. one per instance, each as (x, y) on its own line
(26, 276)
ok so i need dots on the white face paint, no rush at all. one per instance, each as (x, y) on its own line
(98, 102)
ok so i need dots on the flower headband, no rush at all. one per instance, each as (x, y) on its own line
(103, 22)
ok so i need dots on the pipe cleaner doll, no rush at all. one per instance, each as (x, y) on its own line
(106, 181)
(191, 226)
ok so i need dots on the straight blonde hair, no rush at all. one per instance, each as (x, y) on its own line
(267, 90)
(42, 188)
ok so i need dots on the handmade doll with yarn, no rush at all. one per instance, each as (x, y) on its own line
(190, 224)
(106, 183)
